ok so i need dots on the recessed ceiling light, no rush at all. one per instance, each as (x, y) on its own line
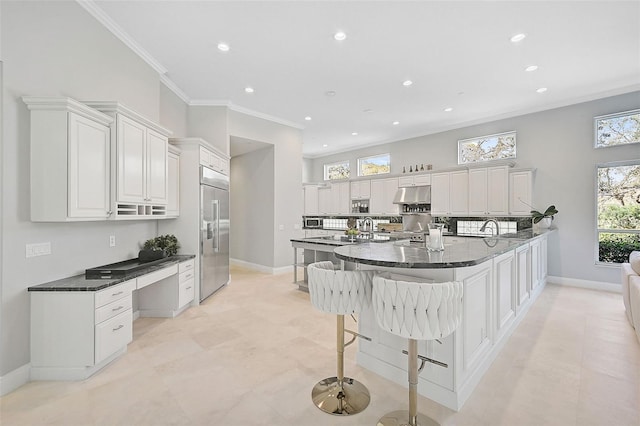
(223, 47)
(307, 118)
(395, 123)
(531, 68)
(340, 36)
(354, 134)
(330, 93)
(448, 109)
(517, 38)
(407, 83)
(325, 145)
(249, 89)
(541, 90)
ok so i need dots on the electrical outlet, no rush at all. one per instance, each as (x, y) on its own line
(112, 241)
(281, 227)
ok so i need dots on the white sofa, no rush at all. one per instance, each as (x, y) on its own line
(631, 290)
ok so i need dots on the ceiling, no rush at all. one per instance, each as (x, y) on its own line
(458, 54)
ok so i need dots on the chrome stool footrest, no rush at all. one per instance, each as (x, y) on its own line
(350, 398)
(401, 418)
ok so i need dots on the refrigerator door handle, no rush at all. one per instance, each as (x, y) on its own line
(216, 220)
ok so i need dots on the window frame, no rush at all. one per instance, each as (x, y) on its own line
(360, 174)
(608, 116)
(598, 230)
(462, 142)
(336, 163)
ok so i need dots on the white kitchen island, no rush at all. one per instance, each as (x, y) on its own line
(501, 278)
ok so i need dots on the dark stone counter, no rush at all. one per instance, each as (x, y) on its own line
(80, 283)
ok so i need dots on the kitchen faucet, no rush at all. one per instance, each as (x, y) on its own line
(367, 224)
(484, 226)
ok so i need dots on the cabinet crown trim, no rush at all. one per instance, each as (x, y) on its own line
(42, 103)
(195, 141)
(118, 108)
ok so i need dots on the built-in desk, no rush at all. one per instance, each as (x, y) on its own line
(80, 325)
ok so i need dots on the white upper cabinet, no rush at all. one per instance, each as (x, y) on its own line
(310, 200)
(520, 190)
(488, 191)
(173, 194)
(383, 192)
(214, 161)
(70, 161)
(360, 189)
(450, 193)
(141, 169)
(324, 200)
(417, 180)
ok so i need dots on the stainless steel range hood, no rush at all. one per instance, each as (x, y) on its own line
(413, 195)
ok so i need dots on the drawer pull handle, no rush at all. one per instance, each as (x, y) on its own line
(117, 309)
(118, 327)
(188, 288)
(118, 293)
(188, 276)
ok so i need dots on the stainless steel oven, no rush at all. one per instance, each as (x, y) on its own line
(313, 222)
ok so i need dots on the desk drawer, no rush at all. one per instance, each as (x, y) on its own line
(105, 312)
(186, 266)
(186, 292)
(114, 293)
(186, 276)
(156, 276)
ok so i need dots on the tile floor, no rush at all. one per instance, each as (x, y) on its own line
(252, 352)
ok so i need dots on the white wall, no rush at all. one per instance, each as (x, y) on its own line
(558, 143)
(210, 123)
(173, 112)
(288, 203)
(57, 49)
(252, 207)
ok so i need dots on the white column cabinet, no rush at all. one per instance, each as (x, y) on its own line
(70, 164)
(488, 191)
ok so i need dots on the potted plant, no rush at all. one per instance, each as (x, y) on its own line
(544, 219)
(159, 247)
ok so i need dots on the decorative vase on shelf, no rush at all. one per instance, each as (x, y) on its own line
(545, 222)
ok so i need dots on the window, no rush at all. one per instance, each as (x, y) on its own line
(487, 148)
(336, 171)
(617, 129)
(375, 165)
(618, 201)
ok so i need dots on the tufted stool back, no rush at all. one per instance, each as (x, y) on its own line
(339, 292)
(420, 311)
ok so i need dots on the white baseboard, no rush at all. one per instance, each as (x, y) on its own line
(592, 285)
(261, 268)
(14, 379)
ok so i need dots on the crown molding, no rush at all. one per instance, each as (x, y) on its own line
(95, 11)
(171, 85)
(258, 114)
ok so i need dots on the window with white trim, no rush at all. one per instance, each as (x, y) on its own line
(500, 146)
(618, 211)
(617, 129)
(374, 165)
(336, 171)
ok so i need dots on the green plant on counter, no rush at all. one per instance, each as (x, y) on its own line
(168, 243)
(352, 231)
(549, 212)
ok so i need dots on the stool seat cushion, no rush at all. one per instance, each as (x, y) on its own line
(339, 292)
(420, 311)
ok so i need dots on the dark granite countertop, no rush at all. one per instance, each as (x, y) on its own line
(80, 283)
(465, 251)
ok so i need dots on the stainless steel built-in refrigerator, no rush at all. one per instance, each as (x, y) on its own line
(214, 231)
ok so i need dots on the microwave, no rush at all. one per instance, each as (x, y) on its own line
(313, 222)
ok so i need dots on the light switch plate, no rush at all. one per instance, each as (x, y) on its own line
(38, 249)
(112, 241)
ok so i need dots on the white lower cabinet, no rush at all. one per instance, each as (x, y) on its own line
(504, 276)
(523, 275)
(75, 333)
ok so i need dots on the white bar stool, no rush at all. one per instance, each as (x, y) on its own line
(343, 293)
(417, 311)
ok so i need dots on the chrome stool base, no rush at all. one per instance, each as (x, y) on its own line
(401, 418)
(352, 398)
